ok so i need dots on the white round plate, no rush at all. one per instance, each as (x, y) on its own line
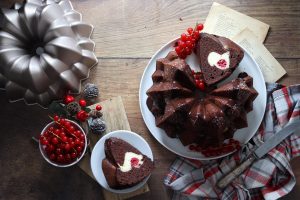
(98, 155)
(242, 135)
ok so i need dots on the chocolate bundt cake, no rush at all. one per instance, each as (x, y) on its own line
(218, 57)
(124, 165)
(204, 117)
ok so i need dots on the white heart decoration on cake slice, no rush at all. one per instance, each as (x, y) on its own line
(220, 61)
(127, 165)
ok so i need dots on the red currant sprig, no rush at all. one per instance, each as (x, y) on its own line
(217, 151)
(198, 79)
(187, 41)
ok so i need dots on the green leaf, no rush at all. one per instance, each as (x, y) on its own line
(58, 109)
(86, 109)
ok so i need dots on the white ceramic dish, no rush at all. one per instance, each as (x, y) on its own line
(62, 165)
(243, 135)
(98, 155)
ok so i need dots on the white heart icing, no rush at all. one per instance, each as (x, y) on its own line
(213, 59)
(127, 161)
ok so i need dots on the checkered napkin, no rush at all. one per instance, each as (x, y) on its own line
(270, 178)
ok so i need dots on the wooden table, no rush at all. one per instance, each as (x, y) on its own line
(127, 33)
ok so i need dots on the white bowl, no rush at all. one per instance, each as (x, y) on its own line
(63, 165)
(98, 155)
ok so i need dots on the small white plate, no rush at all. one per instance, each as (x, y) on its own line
(242, 135)
(98, 155)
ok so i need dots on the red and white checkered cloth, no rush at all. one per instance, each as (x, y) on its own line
(270, 178)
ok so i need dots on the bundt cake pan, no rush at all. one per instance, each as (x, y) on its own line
(45, 51)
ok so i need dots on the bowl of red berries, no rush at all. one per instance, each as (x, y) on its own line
(62, 142)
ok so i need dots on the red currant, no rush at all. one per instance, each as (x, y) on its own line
(79, 148)
(68, 99)
(44, 142)
(200, 27)
(195, 35)
(188, 51)
(60, 158)
(183, 37)
(54, 140)
(71, 129)
(77, 141)
(52, 156)
(82, 144)
(67, 147)
(201, 86)
(82, 136)
(73, 155)
(82, 102)
(77, 133)
(82, 115)
(178, 49)
(98, 107)
(62, 121)
(64, 138)
(190, 30)
(68, 157)
(58, 151)
(56, 118)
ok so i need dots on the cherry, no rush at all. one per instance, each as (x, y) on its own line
(98, 107)
(82, 102)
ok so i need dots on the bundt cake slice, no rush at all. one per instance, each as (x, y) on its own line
(218, 57)
(124, 165)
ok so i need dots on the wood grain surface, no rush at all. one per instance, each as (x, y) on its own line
(127, 33)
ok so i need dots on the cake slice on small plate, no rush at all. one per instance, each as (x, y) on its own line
(218, 57)
(124, 165)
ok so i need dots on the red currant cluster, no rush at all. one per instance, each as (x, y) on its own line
(63, 142)
(199, 80)
(186, 43)
(217, 151)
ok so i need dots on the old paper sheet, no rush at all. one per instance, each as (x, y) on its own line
(270, 67)
(226, 22)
